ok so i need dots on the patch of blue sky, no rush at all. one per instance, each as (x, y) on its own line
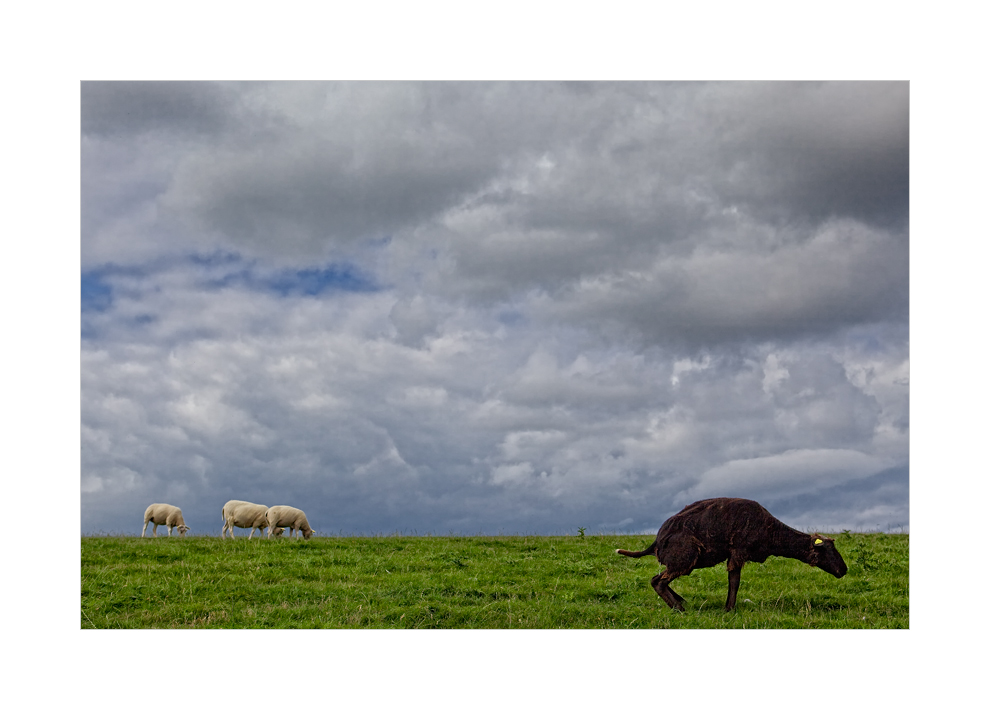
(876, 337)
(286, 282)
(228, 270)
(313, 282)
(216, 258)
(99, 290)
(511, 318)
(96, 293)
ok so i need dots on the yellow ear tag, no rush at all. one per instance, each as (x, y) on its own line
(818, 542)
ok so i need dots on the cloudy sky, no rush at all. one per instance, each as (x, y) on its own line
(494, 307)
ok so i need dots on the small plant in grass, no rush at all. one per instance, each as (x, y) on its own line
(581, 532)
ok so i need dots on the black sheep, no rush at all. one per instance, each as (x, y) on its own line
(735, 530)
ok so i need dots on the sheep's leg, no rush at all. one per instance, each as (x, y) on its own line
(679, 556)
(661, 585)
(735, 574)
(154, 530)
(143, 531)
(251, 534)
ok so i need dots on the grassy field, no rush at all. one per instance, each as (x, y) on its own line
(534, 582)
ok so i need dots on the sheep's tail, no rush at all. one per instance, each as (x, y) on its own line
(648, 551)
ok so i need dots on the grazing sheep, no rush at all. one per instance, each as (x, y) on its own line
(288, 517)
(734, 530)
(164, 514)
(241, 514)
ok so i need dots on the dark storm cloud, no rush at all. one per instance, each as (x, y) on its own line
(842, 276)
(839, 507)
(121, 108)
(686, 173)
(346, 162)
(576, 179)
(815, 151)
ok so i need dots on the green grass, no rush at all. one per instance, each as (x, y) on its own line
(470, 583)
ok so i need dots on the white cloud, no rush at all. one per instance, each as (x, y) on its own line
(514, 473)
(688, 365)
(787, 474)
(774, 372)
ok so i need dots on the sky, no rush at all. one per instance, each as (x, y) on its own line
(494, 307)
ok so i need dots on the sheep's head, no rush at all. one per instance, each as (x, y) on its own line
(825, 556)
(307, 533)
(278, 532)
(182, 530)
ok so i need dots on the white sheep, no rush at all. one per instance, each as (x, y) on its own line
(164, 514)
(241, 514)
(288, 517)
